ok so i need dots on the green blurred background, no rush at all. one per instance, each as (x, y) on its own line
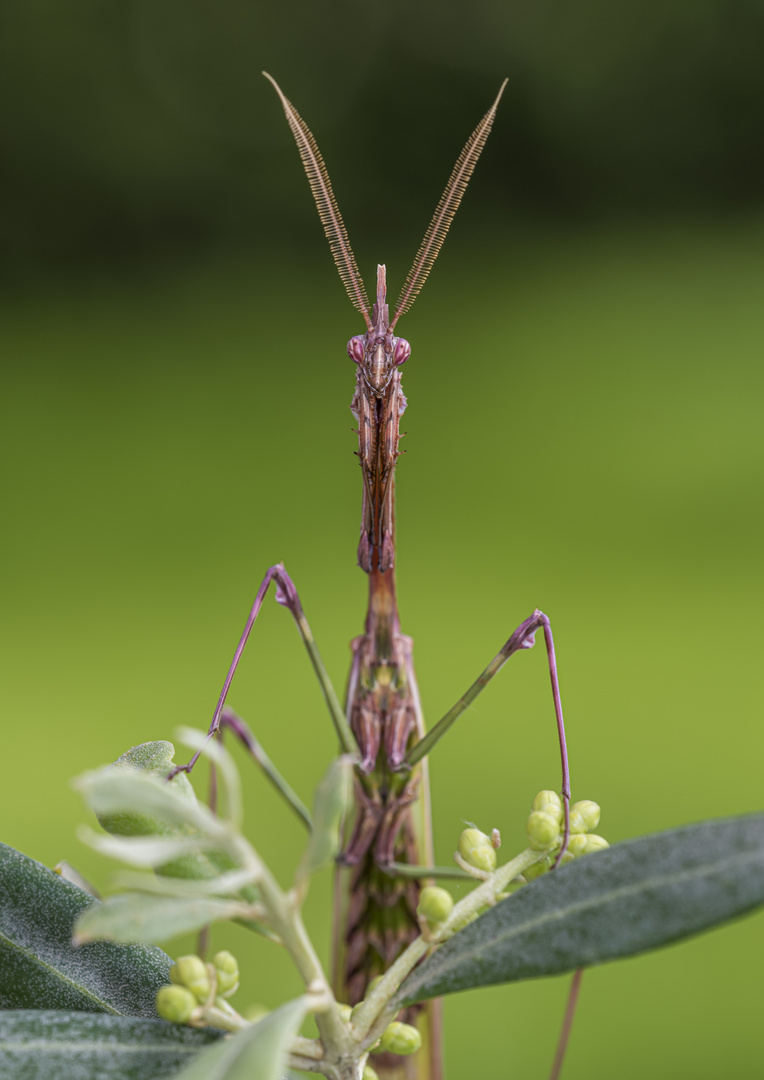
(584, 430)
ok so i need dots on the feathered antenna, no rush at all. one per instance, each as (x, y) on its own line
(445, 210)
(331, 219)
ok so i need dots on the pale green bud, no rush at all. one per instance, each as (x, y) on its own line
(476, 850)
(227, 968)
(536, 869)
(345, 1012)
(175, 1003)
(542, 830)
(577, 845)
(550, 802)
(595, 843)
(435, 904)
(589, 811)
(398, 1038)
(577, 823)
(191, 972)
(369, 1073)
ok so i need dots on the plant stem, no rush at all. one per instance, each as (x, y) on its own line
(374, 1012)
(284, 916)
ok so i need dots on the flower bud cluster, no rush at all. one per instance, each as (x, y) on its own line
(197, 986)
(545, 826)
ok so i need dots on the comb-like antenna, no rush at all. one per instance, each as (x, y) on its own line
(331, 219)
(445, 210)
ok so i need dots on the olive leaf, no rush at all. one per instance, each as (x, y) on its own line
(41, 1044)
(40, 968)
(259, 1052)
(136, 917)
(633, 897)
(158, 822)
(330, 803)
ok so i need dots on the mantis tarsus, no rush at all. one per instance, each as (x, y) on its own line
(389, 847)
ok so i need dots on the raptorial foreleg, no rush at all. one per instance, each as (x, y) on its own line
(522, 638)
(286, 595)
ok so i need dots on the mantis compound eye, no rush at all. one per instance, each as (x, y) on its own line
(356, 349)
(402, 351)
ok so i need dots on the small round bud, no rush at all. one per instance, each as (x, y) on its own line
(227, 968)
(550, 802)
(595, 843)
(476, 850)
(577, 823)
(435, 904)
(589, 811)
(345, 1011)
(542, 830)
(399, 1038)
(191, 972)
(175, 1003)
(369, 1073)
(536, 869)
(577, 845)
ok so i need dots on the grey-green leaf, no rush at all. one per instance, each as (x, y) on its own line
(636, 896)
(138, 917)
(330, 803)
(258, 1052)
(39, 966)
(111, 790)
(137, 798)
(38, 1044)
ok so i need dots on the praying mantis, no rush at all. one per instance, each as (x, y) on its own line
(388, 847)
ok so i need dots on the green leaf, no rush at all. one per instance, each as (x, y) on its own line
(330, 803)
(39, 966)
(120, 797)
(38, 1044)
(136, 917)
(636, 896)
(258, 1052)
(145, 852)
(129, 799)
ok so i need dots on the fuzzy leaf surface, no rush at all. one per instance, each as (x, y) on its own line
(39, 966)
(258, 1052)
(636, 896)
(137, 782)
(38, 1044)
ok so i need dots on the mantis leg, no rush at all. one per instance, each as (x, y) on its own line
(286, 595)
(231, 722)
(522, 638)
